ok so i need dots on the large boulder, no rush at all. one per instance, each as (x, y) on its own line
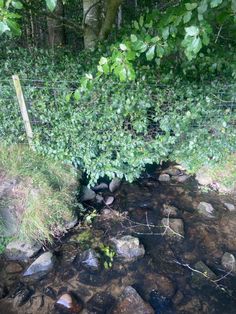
(43, 264)
(21, 250)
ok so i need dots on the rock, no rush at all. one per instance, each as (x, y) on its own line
(100, 187)
(89, 260)
(192, 306)
(178, 297)
(175, 229)
(19, 250)
(181, 179)
(160, 283)
(44, 263)
(164, 177)
(228, 262)
(203, 177)
(99, 199)
(13, 268)
(115, 184)
(109, 200)
(160, 303)
(206, 274)
(23, 296)
(172, 171)
(100, 303)
(3, 291)
(169, 211)
(206, 210)
(50, 292)
(71, 223)
(130, 302)
(87, 194)
(128, 248)
(230, 207)
(69, 303)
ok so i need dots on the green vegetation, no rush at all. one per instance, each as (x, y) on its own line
(108, 255)
(46, 190)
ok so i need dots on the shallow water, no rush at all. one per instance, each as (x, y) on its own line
(165, 277)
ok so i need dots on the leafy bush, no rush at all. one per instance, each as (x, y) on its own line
(110, 128)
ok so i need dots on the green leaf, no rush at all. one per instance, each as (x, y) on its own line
(187, 17)
(136, 26)
(133, 38)
(1, 3)
(150, 53)
(192, 30)
(191, 6)
(123, 47)
(196, 45)
(165, 33)
(215, 3)
(103, 60)
(3, 27)
(51, 4)
(17, 5)
(14, 27)
(141, 21)
(77, 95)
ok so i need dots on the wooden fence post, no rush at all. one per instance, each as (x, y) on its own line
(23, 109)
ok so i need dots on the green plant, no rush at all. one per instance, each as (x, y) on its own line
(108, 255)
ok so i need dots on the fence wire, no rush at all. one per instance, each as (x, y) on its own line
(45, 99)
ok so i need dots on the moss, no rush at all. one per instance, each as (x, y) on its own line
(47, 191)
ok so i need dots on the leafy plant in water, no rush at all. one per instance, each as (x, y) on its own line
(108, 255)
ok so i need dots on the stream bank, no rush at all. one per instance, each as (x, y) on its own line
(158, 245)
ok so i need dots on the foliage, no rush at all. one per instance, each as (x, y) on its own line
(47, 191)
(108, 255)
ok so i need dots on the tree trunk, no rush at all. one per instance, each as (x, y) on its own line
(111, 13)
(92, 22)
(56, 34)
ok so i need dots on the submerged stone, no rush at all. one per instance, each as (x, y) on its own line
(164, 177)
(89, 260)
(228, 261)
(19, 250)
(128, 248)
(230, 207)
(87, 194)
(68, 303)
(42, 264)
(109, 200)
(173, 227)
(130, 302)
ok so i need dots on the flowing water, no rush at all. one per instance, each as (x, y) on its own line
(168, 276)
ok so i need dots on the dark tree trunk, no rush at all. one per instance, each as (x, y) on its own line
(56, 33)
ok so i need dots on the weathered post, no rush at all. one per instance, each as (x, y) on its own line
(23, 109)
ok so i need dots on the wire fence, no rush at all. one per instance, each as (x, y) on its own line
(44, 100)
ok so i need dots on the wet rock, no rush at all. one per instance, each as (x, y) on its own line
(173, 227)
(192, 306)
(228, 261)
(160, 283)
(71, 223)
(89, 260)
(169, 211)
(115, 184)
(230, 207)
(109, 200)
(206, 209)
(87, 194)
(128, 248)
(13, 268)
(130, 302)
(202, 275)
(164, 177)
(50, 292)
(100, 303)
(19, 250)
(178, 297)
(227, 227)
(43, 264)
(160, 303)
(100, 187)
(69, 303)
(23, 296)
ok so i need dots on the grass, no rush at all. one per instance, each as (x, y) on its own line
(47, 191)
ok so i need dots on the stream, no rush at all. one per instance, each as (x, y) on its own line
(173, 258)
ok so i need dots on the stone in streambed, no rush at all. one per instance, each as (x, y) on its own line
(100, 187)
(87, 194)
(115, 184)
(128, 248)
(230, 207)
(89, 260)
(228, 261)
(19, 250)
(173, 227)
(130, 302)
(169, 211)
(164, 177)
(13, 268)
(68, 303)
(43, 264)
(206, 209)
(109, 200)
